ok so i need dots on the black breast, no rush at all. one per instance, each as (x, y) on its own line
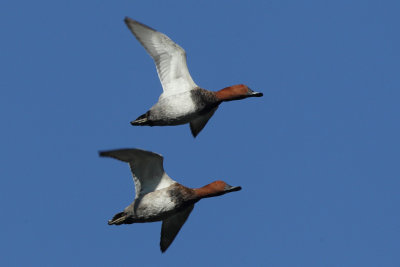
(204, 100)
(181, 195)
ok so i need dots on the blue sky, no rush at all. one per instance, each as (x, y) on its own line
(317, 156)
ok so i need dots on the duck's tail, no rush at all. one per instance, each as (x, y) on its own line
(118, 219)
(142, 120)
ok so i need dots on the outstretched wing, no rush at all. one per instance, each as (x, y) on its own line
(171, 226)
(197, 124)
(147, 169)
(169, 57)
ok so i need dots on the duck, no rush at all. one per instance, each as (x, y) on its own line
(157, 196)
(182, 100)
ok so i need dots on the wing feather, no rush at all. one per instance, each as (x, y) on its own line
(171, 226)
(169, 57)
(197, 124)
(146, 167)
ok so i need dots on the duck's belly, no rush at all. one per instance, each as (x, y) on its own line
(174, 110)
(155, 206)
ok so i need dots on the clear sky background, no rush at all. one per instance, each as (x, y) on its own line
(317, 156)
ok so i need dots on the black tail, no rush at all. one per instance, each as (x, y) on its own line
(141, 120)
(118, 219)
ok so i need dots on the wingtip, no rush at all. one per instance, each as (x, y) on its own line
(127, 19)
(164, 246)
(105, 153)
(192, 130)
(131, 23)
(194, 134)
(163, 249)
(102, 153)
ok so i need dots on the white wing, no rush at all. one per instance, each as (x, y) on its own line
(147, 169)
(170, 58)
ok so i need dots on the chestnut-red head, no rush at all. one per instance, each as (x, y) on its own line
(236, 92)
(214, 189)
